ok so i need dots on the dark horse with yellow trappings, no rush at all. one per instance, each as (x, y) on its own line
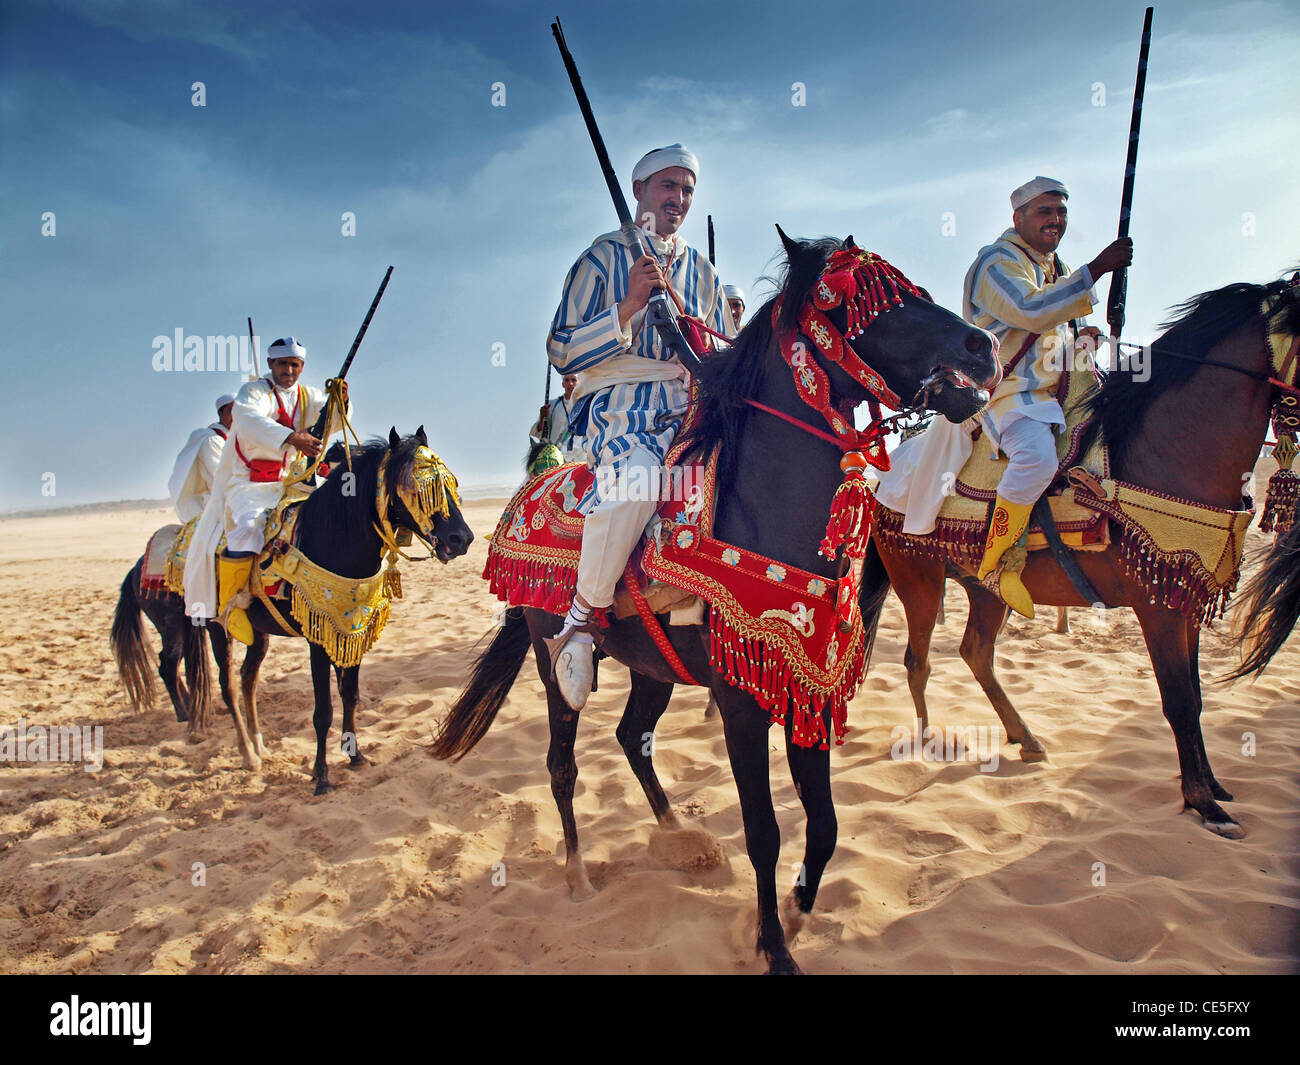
(1191, 433)
(394, 490)
(774, 488)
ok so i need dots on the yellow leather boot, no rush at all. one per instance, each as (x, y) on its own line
(232, 578)
(1010, 520)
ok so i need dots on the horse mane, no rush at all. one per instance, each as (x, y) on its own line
(331, 516)
(730, 377)
(1196, 326)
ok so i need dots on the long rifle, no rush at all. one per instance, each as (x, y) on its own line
(252, 343)
(1119, 279)
(660, 312)
(318, 430)
(713, 259)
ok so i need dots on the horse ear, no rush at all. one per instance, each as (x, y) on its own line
(792, 248)
(419, 435)
(848, 241)
(393, 438)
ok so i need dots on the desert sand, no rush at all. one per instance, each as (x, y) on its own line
(413, 865)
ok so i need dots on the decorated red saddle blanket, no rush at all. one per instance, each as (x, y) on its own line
(791, 638)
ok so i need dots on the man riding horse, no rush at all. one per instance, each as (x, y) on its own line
(271, 418)
(1018, 289)
(639, 390)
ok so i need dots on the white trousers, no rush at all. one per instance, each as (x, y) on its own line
(613, 526)
(1030, 448)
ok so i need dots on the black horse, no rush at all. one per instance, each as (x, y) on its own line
(338, 528)
(774, 489)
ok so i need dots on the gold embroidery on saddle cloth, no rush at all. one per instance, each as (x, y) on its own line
(174, 570)
(343, 615)
(1186, 555)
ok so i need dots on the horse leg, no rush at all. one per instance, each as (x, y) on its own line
(560, 762)
(221, 651)
(169, 661)
(323, 716)
(924, 600)
(978, 643)
(811, 769)
(349, 689)
(1194, 656)
(645, 706)
(248, 689)
(1166, 635)
(745, 726)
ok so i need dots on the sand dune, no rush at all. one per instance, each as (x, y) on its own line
(413, 865)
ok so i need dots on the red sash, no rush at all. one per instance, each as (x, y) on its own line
(264, 471)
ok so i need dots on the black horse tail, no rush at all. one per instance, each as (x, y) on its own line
(127, 640)
(490, 682)
(198, 675)
(1270, 605)
(872, 592)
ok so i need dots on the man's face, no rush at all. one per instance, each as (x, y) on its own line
(570, 383)
(1041, 222)
(667, 196)
(285, 371)
(225, 415)
(737, 309)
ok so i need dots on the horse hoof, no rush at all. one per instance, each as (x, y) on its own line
(357, 761)
(252, 762)
(792, 918)
(323, 787)
(580, 890)
(1226, 829)
(259, 748)
(1036, 753)
(784, 966)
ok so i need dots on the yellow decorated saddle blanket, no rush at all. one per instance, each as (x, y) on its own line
(962, 525)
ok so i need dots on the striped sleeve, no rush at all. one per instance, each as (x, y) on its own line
(1009, 292)
(585, 331)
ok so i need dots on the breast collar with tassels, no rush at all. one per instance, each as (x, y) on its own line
(865, 285)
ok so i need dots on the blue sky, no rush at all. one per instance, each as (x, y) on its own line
(170, 216)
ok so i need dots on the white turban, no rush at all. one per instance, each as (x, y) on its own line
(734, 292)
(286, 348)
(1037, 187)
(223, 400)
(663, 158)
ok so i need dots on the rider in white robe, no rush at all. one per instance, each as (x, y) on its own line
(271, 417)
(196, 466)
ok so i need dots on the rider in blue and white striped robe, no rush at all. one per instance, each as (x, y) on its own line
(638, 390)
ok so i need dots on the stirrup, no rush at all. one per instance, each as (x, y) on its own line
(575, 679)
(238, 626)
(1006, 585)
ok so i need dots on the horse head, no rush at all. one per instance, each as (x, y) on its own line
(927, 356)
(423, 496)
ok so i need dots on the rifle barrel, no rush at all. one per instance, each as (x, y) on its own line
(1118, 296)
(347, 363)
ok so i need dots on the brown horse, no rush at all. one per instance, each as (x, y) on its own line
(1193, 431)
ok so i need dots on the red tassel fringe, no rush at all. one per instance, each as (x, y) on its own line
(763, 670)
(850, 520)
